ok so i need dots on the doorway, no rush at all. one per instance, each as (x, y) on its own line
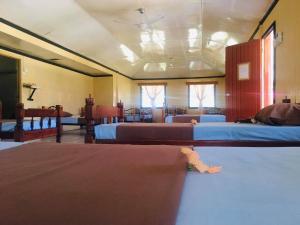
(9, 91)
(268, 67)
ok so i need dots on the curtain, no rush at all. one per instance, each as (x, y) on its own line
(153, 92)
(200, 94)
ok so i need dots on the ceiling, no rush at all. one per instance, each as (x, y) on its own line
(143, 38)
(28, 49)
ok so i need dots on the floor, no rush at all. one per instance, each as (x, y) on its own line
(70, 136)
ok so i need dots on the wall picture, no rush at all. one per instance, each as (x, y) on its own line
(244, 71)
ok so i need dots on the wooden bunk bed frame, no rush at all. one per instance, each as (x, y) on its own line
(89, 138)
(20, 135)
(96, 115)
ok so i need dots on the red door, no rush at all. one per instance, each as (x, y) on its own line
(243, 74)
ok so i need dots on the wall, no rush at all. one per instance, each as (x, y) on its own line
(177, 91)
(286, 15)
(123, 90)
(56, 85)
(103, 91)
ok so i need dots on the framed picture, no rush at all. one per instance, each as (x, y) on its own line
(244, 71)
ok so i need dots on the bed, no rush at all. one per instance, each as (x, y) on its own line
(95, 115)
(32, 124)
(201, 134)
(186, 118)
(256, 186)
(209, 134)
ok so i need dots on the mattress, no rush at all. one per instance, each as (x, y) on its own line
(255, 186)
(10, 125)
(48, 183)
(245, 132)
(205, 118)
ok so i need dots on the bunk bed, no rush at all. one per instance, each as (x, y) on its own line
(201, 134)
(27, 126)
(103, 184)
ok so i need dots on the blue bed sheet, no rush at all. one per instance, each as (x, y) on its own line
(10, 126)
(106, 131)
(245, 132)
(6, 145)
(256, 186)
(206, 118)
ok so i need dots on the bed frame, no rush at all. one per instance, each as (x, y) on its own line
(95, 115)
(20, 135)
(89, 138)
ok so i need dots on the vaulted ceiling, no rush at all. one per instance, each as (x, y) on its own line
(143, 38)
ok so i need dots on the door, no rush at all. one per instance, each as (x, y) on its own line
(9, 95)
(243, 84)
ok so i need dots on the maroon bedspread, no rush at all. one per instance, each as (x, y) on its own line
(186, 118)
(154, 131)
(76, 184)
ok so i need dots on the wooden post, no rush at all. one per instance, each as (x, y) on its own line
(19, 131)
(89, 103)
(59, 110)
(120, 106)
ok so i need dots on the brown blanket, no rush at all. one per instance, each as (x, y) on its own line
(154, 131)
(280, 114)
(186, 118)
(77, 184)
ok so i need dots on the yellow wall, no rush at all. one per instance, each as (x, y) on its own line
(69, 89)
(56, 85)
(103, 90)
(286, 15)
(177, 91)
(122, 90)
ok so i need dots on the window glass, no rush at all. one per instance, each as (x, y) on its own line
(201, 95)
(153, 96)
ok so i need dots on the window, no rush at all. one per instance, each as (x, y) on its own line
(201, 95)
(153, 96)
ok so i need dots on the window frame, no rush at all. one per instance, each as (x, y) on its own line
(201, 83)
(153, 84)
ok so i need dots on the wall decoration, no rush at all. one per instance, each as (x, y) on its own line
(244, 71)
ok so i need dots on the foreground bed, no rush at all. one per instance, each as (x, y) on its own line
(102, 184)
